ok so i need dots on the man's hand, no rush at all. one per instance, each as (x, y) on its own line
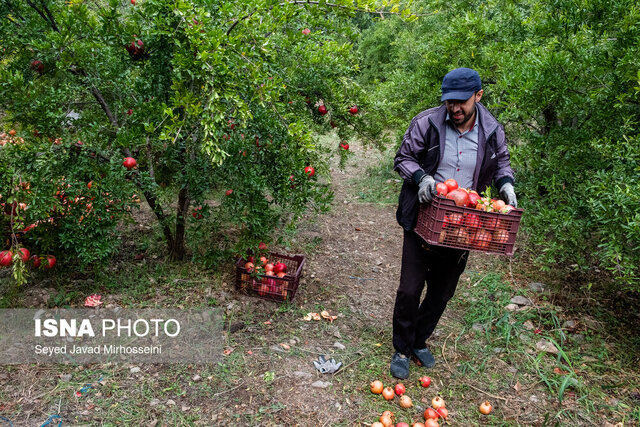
(509, 195)
(427, 189)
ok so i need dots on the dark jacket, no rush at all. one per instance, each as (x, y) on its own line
(420, 153)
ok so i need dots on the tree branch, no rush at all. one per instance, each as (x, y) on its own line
(51, 20)
(152, 172)
(42, 14)
(98, 96)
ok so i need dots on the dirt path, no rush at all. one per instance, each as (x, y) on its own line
(360, 253)
(354, 269)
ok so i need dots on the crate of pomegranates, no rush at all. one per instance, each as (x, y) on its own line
(271, 276)
(460, 218)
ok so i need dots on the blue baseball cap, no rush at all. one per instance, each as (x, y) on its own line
(460, 84)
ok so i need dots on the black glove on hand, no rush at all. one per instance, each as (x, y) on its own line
(427, 189)
(508, 194)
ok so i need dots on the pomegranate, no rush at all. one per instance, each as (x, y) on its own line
(472, 221)
(430, 413)
(24, 254)
(452, 219)
(498, 205)
(485, 407)
(129, 163)
(443, 412)
(459, 197)
(437, 402)
(388, 393)
(51, 262)
(451, 184)
(473, 199)
(501, 236)
(405, 401)
(386, 420)
(37, 65)
(459, 235)
(35, 260)
(492, 222)
(442, 189)
(5, 258)
(376, 387)
(425, 381)
(481, 239)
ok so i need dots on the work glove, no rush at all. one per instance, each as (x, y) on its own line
(508, 194)
(427, 189)
(325, 366)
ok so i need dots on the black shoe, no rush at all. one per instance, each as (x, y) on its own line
(424, 357)
(399, 367)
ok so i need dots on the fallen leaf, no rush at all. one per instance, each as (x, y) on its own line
(93, 300)
(285, 346)
(559, 371)
(325, 314)
(228, 351)
(315, 316)
(307, 317)
(268, 322)
(517, 387)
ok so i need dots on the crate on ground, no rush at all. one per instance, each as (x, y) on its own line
(270, 287)
(443, 223)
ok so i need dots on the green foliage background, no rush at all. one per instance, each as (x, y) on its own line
(206, 95)
(563, 78)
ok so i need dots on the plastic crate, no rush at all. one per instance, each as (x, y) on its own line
(442, 223)
(271, 287)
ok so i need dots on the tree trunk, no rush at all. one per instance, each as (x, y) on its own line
(177, 249)
(550, 119)
(162, 219)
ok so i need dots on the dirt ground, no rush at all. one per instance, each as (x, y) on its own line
(267, 376)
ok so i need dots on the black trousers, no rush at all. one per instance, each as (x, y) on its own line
(438, 267)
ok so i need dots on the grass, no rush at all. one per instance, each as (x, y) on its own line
(483, 352)
(378, 184)
(589, 381)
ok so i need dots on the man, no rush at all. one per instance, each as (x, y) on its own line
(461, 140)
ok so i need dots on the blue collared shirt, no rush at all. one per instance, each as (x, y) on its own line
(460, 154)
